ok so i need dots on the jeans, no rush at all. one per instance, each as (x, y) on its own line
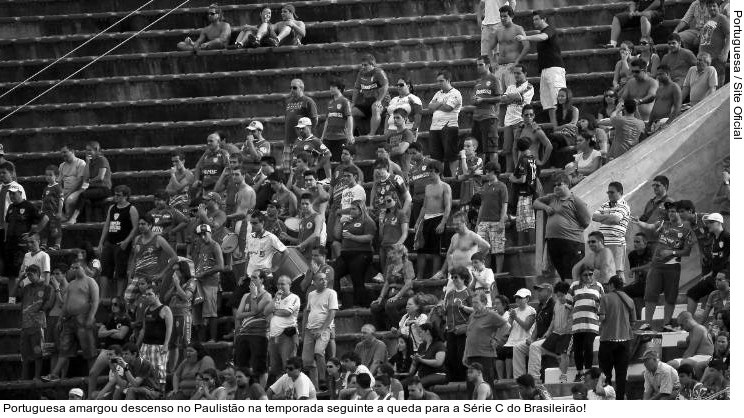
(564, 254)
(387, 314)
(583, 346)
(90, 196)
(453, 359)
(532, 353)
(281, 348)
(615, 354)
(355, 264)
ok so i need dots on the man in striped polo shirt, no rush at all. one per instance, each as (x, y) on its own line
(614, 216)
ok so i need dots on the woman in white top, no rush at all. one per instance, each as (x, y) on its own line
(586, 161)
(521, 320)
(410, 323)
(409, 102)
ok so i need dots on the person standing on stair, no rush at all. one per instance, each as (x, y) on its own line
(114, 245)
(71, 173)
(510, 51)
(322, 305)
(149, 249)
(179, 183)
(487, 16)
(155, 337)
(216, 35)
(614, 216)
(616, 315)
(549, 61)
(339, 125)
(486, 99)
(370, 95)
(210, 166)
(444, 130)
(432, 220)
(492, 216)
(208, 263)
(38, 299)
(298, 106)
(641, 88)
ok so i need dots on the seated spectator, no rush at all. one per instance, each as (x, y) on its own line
(721, 358)
(290, 30)
(114, 332)
(71, 176)
(586, 161)
(579, 392)
(96, 183)
(640, 88)
(627, 129)
(622, 67)
(322, 306)
(394, 387)
(587, 125)
(428, 360)
(399, 275)
(678, 59)
(609, 105)
(647, 52)
(690, 389)
(564, 127)
(401, 360)
(364, 390)
(371, 350)
(660, 380)
(691, 25)
(216, 35)
(597, 388)
(643, 13)
(370, 95)
(256, 36)
(140, 376)
(52, 205)
(715, 39)
(383, 388)
(407, 101)
(698, 344)
(246, 388)
(701, 80)
(208, 386)
(719, 302)
(668, 103)
(195, 360)
(482, 387)
(417, 392)
(443, 132)
(529, 390)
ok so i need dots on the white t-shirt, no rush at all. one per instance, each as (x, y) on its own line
(519, 334)
(440, 118)
(609, 394)
(491, 15)
(278, 323)
(320, 306)
(261, 250)
(514, 110)
(351, 194)
(41, 259)
(294, 389)
(359, 370)
(405, 103)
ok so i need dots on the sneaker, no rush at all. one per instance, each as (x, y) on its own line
(608, 45)
(645, 327)
(563, 379)
(50, 378)
(12, 299)
(579, 377)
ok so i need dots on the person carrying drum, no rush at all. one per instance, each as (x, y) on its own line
(312, 228)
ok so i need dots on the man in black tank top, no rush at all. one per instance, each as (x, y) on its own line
(481, 389)
(156, 333)
(116, 239)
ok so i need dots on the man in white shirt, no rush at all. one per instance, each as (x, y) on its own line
(71, 172)
(353, 192)
(443, 132)
(35, 256)
(614, 216)
(261, 245)
(322, 305)
(597, 390)
(293, 384)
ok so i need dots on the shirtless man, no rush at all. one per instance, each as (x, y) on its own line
(216, 35)
(598, 257)
(79, 318)
(432, 220)
(511, 51)
(463, 245)
(640, 88)
(320, 196)
(245, 199)
(668, 100)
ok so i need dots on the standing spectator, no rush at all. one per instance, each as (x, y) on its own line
(216, 35)
(225, 185)
(7, 180)
(483, 278)
(675, 242)
(393, 227)
(510, 51)
(641, 88)
(208, 263)
(487, 16)
(306, 142)
(691, 25)
(530, 349)
(339, 125)
(613, 217)
(457, 308)
(294, 384)
(540, 145)
(529, 390)
(568, 216)
(399, 137)
(701, 80)
(59, 283)
(599, 259)
(584, 295)
(627, 127)
(492, 215)
(516, 96)
(149, 250)
(668, 101)
(21, 218)
(549, 61)
(155, 337)
(245, 198)
(78, 321)
(36, 257)
(463, 245)
(255, 146)
(639, 261)
(396, 290)
(407, 101)
(356, 236)
(179, 183)
(660, 380)
(179, 296)
(482, 325)
(246, 387)
(322, 305)
(715, 39)
(678, 59)
(371, 350)
(521, 324)
(298, 106)
(168, 222)
(443, 132)
(96, 183)
(486, 98)
(616, 314)
(643, 13)
(698, 344)
(717, 251)
(655, 209)
(290, 30)
(598, 386)
(210, 165)
(283, 326)
(52, 205)
(370, 95)
(556, 341)
(283, 199)
(38, 299)
(251, 342)
(432, 219)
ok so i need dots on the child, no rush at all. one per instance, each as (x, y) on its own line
(483, 279)
(469, 170)
(37, 298)
(400, 139)
(524, 180)
(51, 206)
(558, 335)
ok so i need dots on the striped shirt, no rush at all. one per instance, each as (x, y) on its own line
(585, 299)
(615, 234)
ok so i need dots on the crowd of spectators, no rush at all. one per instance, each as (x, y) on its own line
(285, 238)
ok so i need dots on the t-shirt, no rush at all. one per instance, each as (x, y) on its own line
(615, 234)
(205, 260)
(719, 252)
(182, 306)
(395, 138)
(391, 223)
(311, 145)
(419, 177)
(393, 186)
(352, 194)
(567, 222)
(548, 51)
(637, 258)
(165, 218)
(40, 259)
(486, 88)
(519, 334)
(69, 173)
(713, 35)
(117, 322)
(319, 306)
(526, 167)
(481, 328)
(441, 118)
(278, 323)
(430, 353)
(608, 396)
(297, 108)
(36, 299)
(700, 83)
(19, 218)
(368, 83)
(696, 15)
(51, 200)
(261, 250)
(679, 63)
(671, 237)
(514, 110)
(96, 164)
(211, 165)
(562, 318)
(493, 197)
(585, 299)
(411, 104)
(338, 111)
(141, 368)
(628, 130)
(363, 226)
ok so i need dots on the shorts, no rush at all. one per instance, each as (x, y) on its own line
(208, 307)
(525, 214)
(664, 278)
(637, 289)
(628, 21)
(432, 240)
(504, 353)
(335, 146)
(618, 254)
(504, 76)
(181, 337)
(557, 343)
(551, 80)
(318, 344)
(702, 289)
(159, 360)
(495, 234)
(32, 343)
(488, 37)
(444, 144)
(364, 105)
(114, 261)
(74, 336)
(252, 351)
(486, 133)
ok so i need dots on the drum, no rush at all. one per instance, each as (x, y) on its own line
(290, 263)
(229, 243)
(293, 227)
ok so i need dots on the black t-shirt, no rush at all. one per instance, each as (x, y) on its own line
(548, 51)
(19, 218)
(401, 363)
(116, 322)
(544, 316)
(430, 353)
(719, 252)
(639, 258)
(526, 167)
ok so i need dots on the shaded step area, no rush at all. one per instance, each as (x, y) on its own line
(189, 132)
(256, 106)
(75, 22)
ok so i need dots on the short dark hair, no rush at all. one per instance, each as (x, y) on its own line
(526, 380)
(414, 381)
(686, 205)
(663, 67)
(7, 165)
(402, 112)
(492, 166)
(259, 216)
(524, 70)
(383, 378)
(436, 165)
(674, 37)
(180, 155)
(351, 170)
(461, 271)
(523, 143)
(598, 235)
(309, 173)
(629, 105)
(642, 235)
(640, 63)
(527, 107)
(123, 189)
(337, 82)
(275, 177)
(446, 74)
(295, 362)
(616, 281)
(562, 287)
(268, 159)
(306, 196)
(386, 369)
(351, 148)
(368, 58)
(148, 219)
(664, 180)
(617, 186)
(562, 177)
(382, 163)
(364, 380)
(351, 356)
(33, 268)
(686, 369)
(508, 9)
(485, 59)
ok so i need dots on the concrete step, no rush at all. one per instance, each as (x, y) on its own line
(214, 107)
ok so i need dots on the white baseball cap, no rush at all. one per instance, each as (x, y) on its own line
(255, 125)
(523, 293)
(713, 217)
(303, 122)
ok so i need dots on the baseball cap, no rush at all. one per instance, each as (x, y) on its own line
(543, 286)
(713, 217)
(303, 122)
(255, 125)
(669, 205)
(76, 392)
(650, 354)
(214, 196)
(15, 187)
(203, 228)
(523, 293)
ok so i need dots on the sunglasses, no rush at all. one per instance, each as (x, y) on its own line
(644, 43)
(212, 13)
(587, 275)
(290, 369)
(401, 85)
(295, 88)
(635, 71)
